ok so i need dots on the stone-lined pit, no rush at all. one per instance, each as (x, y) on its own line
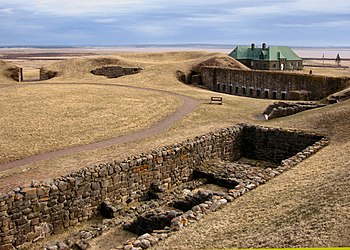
(235, 155)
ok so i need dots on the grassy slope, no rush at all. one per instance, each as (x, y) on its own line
(4, 74)
(307, 206)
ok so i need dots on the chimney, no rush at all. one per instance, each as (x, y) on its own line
(264, 46)
(252, 46)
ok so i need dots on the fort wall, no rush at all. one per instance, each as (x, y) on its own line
(271, 84)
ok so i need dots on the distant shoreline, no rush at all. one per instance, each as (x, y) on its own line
(306, 52)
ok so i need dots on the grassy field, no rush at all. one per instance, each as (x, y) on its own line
(36, 118)
(306, 206)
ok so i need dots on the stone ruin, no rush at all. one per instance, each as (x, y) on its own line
(281, 109)
(115, 71)
(153, 194)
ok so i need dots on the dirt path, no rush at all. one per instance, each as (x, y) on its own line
(189, 104)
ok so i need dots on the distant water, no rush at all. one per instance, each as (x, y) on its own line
(304, 52)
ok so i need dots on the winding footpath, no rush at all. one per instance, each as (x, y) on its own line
(189, 105)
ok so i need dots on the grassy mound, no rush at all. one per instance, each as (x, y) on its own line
(79, 68)
(222, 62)
(6, 72)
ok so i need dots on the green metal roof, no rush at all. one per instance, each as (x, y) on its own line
(272, 53)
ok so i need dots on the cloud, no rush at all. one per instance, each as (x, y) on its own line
(145, 21)
(328, 24)
(106, 20)
(7, 11)
(152, 29)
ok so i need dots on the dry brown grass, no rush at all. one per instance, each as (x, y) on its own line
(38, 118)
(306, 206)
(4, 74)
(155, 75)
(327, 71)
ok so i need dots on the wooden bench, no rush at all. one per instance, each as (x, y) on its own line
(216, 100)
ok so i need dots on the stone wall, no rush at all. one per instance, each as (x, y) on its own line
(272, 144)
(115, 71)
(46, 74)
(281, 109)
(16, 73)
(28, 214)
(271, 84)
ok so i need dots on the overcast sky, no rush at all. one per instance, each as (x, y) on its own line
(121, 22)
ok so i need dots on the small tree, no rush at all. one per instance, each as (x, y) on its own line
(337, 60)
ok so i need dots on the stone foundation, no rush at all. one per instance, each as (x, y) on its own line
(29, 214)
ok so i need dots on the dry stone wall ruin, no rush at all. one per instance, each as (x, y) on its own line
(271, 84)
(281, 109)
(29, 214)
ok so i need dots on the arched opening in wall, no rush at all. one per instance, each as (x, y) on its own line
(224, 88)
(230, 88)
(258, 92)
(274, 95)
(251, 91)
(283, 95)
(244, 92)
(236, 89)
(218, 86)
(266, 94)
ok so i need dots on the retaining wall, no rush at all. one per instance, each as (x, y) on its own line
(271, 84)
(273, 144)
(16, 73)
(29, 214)
(46, 74)
(281, 109)
(115, 71)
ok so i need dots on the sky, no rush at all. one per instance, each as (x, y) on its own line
(132, 22)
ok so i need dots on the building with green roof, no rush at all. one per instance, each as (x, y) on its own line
(268, 58)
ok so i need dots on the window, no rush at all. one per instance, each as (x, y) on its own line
(251, 91)
(224, 88)
(243, 90)
(236, 90)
